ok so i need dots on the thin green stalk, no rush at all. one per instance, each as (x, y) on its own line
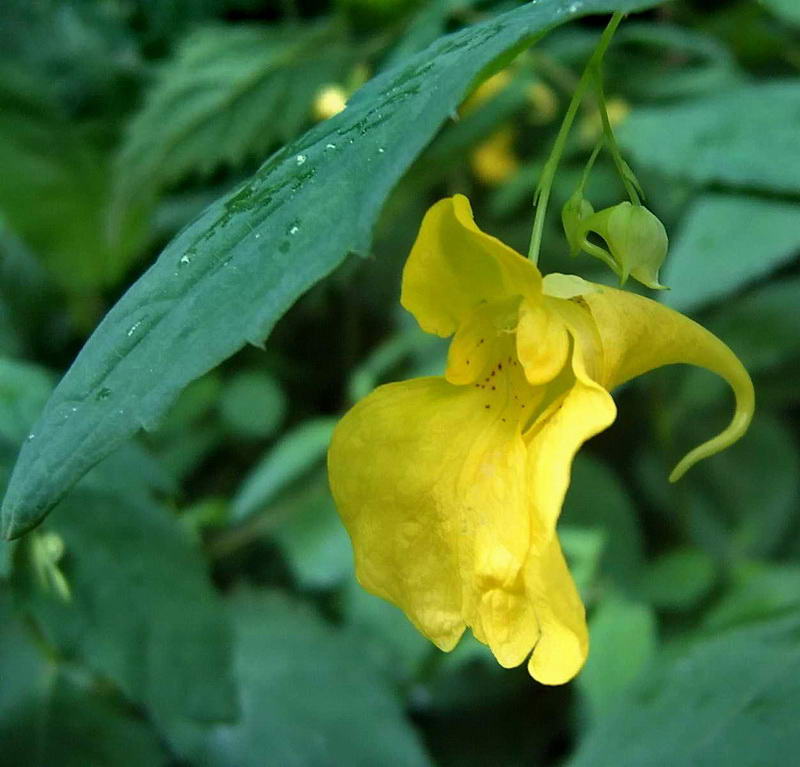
(549, 171)
(625, 173)
(589, 165)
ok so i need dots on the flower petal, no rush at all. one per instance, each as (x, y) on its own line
(564, 643)
(454, 266)
(431, 485)
(583, 410)
(638, 335)
(542, 342)
(480, 338)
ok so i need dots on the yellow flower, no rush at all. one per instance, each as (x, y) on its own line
(450, 488)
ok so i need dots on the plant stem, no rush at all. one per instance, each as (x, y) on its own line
(589, 165)
(624, 171)
(549, 171)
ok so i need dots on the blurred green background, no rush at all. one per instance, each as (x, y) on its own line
(192, 601)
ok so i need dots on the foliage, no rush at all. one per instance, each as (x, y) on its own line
(190, 599)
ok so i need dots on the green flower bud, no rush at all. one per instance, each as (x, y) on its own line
(575, 211)
(636, 240)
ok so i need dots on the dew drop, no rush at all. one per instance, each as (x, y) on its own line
(330, 146)
(185, 259)
(133, 328)
(258, 235)
(381, 150)
(31, 436)
(301, 158)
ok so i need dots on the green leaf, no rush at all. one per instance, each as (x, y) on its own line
(583, 549)
(313, 538)
(597, 500)
(232, 92)
(743, 136)
(54, 190)
(49, 717)
(428, 24)
(404, 345)
(389, 638)
(761, 325)
(726, 242)
(756, 591)
(658, 60)
(292, 456)
(679, 579)
(623, 642)
(26, 294)
(227, 277)
(730, 699)
(253, 404)
(24, 389)
(6, 558)
(758, 514)
(142, 612)
(308, 696)
(788, 10)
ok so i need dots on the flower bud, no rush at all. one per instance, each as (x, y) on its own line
(577, 209)
(636, 239)
(638, 242)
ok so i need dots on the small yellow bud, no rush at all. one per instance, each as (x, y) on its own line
(592, 125)
(544, 102)
(329, 101)
(494, 160)
(486, 91)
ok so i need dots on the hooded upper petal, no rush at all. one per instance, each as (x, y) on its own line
(454, 267)
(638, 335)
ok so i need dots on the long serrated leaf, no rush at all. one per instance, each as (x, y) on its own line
(227, 277)
(54, 190)
(231, 92)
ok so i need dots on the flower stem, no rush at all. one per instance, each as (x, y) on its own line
(625, 173)
(542, 196)
(589, 165)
